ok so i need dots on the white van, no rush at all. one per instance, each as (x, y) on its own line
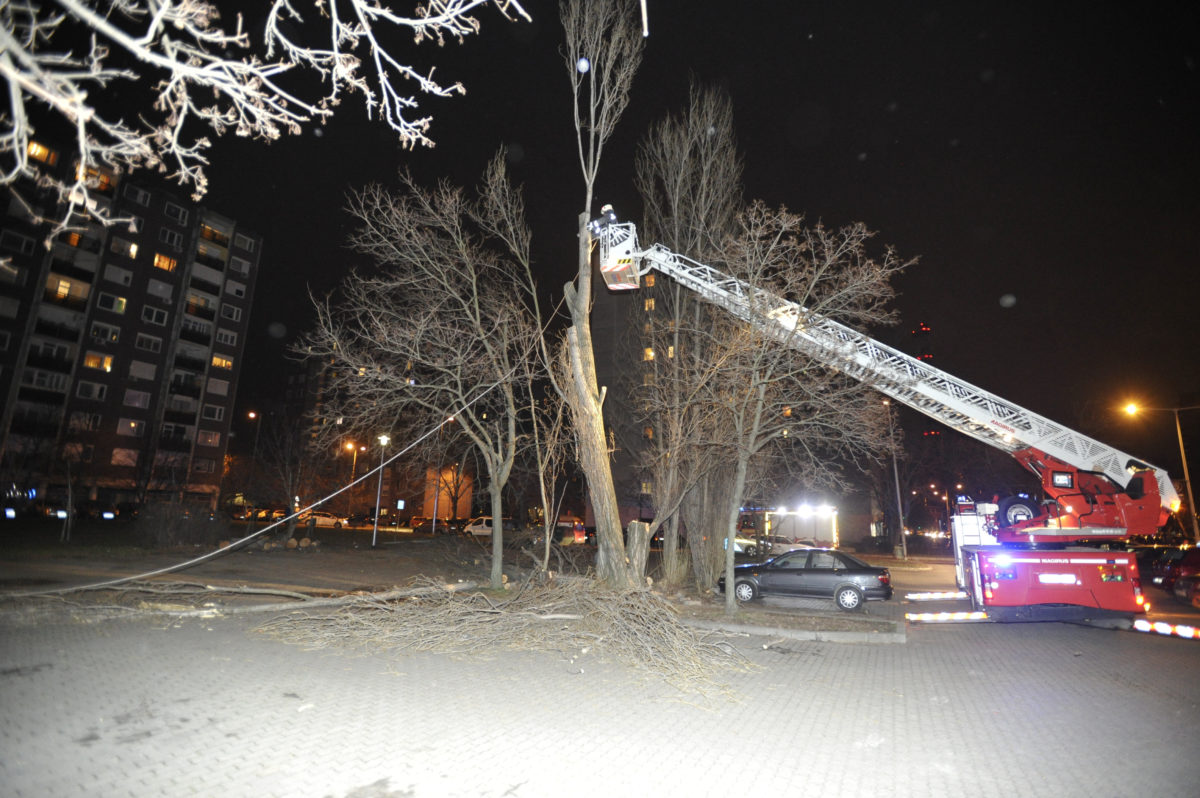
(482, 526)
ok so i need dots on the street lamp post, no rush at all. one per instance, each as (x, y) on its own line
(896, 476)
(383, 442)
(253, 416)
(1133, 409)
(351, 446)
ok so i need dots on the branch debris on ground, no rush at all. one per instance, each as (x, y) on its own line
(573, 617)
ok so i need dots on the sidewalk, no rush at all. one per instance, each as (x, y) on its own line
(160, 707)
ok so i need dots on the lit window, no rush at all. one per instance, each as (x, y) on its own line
(208, 438)
(648, 433)
(131, 427)
(122, 247)
(648, 281)
(670, 351)
(648, 353)
(161, 261)
(105, 333)
(64, 289)
(96, 360)
(111, 302)
(648, 305)
(124, 457)
(40, 152)
(220, 362)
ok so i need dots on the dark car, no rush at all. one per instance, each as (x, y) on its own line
(1186, 568)
(1165, 568)
(825, 573)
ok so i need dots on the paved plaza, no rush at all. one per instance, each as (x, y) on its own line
(210, 707)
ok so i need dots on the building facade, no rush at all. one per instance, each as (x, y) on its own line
(120, 346)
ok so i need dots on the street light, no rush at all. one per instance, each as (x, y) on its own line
(383, 442)
(254, 417)
(351, 446)
(1133, 409)
(896, 476)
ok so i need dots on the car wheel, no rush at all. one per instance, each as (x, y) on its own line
(1014, 509)
(749, 551)
(848, 598)
(745, 591)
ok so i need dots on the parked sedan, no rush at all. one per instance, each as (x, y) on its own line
(324, 519)
(826, 573)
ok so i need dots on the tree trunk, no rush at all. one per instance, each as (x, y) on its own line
(497, 536)
(611, 565)
(739, 485)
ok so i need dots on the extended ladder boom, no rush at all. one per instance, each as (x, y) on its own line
(955, 403)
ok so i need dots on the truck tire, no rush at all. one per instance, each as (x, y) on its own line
(1015, 509)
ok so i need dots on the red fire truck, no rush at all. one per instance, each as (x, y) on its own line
(1024, 560)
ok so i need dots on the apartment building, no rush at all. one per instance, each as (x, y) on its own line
(120, 346)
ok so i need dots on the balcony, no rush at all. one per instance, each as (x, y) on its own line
(200, 311)
(195, 336)
(210, 261)
(62, 332)
(184, 417)
(34, 426)
(190, 388)
(41, 396)
(174, 443)
(61, 365)
(68, 269)
(206, 286)
(65, 301)
(190, 363)
(214, 235)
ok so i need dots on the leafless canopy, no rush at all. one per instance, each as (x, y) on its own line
(80, 59)
(447, 326)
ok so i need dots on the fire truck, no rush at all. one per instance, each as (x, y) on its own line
(1056, 559)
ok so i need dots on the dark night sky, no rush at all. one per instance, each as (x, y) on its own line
(1050, 152)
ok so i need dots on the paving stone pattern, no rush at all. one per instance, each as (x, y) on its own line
(211, 708)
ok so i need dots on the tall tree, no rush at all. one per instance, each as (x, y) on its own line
(689, 176)
(603, 51)
(449, 326)
(774, 406)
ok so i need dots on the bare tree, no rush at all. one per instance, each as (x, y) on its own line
(448, 325)
(772, 404)
(689, 176)
(74, 57)
(603, 51)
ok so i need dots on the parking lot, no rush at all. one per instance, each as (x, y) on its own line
(156, 706)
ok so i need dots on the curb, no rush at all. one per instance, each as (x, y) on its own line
(897, 636)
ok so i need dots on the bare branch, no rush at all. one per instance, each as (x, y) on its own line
(203, 77)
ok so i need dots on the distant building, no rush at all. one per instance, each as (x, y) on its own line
(120, 347)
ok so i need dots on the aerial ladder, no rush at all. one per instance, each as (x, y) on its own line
(1038, 567)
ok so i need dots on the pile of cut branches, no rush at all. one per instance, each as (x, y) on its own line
(570, 616)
